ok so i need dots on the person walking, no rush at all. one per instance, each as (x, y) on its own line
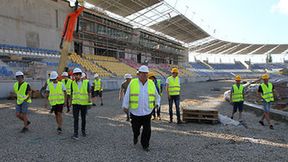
(123, 89)
(237, 97)
(81, 98)
(152, 76)
(23, 92)
(266, 91)
(140, 99)
(97, 89)
(67, 82)
(56, 94)
(173, 91)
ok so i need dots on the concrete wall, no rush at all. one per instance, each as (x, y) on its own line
(32, 23)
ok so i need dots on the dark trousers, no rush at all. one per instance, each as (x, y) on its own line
(137, 122)
(176, 100)
(158, 111)
(76, 110)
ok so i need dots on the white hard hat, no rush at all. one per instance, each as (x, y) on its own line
(83, 75)
(144, 69)
(127, 76)
(53, 75)
(77, 70)
(96, 75)
(65, 74)
(19, 73)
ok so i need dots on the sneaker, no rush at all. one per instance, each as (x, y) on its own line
(261, 122)
(24, 130)
(93, 104)
(84, 134)
(159, 118)
(75, 137)
(59, 130)
(179, 122)
(171, 120)
(101, 104)
(153, 118)
(68, 110)
(28, 122)
(128, 119)
(146, 149)
(271, 127)
(135, 140)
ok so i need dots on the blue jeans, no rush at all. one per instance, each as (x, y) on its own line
(22, 108)
(176, 100)
(266, 106)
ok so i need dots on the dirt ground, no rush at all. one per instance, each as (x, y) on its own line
(110, 136)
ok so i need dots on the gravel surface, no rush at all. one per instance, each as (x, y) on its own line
(110, 136)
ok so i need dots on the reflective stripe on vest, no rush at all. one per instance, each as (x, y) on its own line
(21, 93)
(174, 86)
(56, 95)
(267, 92)
(237, 95)
(97, 85)
(67, 85)
(134, 94)
(80, 96)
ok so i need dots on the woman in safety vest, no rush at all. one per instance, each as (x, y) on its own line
(23, 92)
(56, 94)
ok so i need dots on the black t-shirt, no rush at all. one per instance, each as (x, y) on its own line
(260, 90)
(28, 87)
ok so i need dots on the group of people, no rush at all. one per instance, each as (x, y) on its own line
(141, 99)
(60, 93)
(265, 91)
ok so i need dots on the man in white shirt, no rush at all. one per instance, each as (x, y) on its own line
(141, 98)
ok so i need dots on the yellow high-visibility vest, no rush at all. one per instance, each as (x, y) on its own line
(21, 93)
(56, 95)
(267, 94)
(97, 85)
(80, 96)
(159, 86)
(67, 85)
(135, 91)
(237, 95)
(174, 86)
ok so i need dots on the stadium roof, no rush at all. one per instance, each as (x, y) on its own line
(223, 47)
(155, 16)
(123, 7)
(180, 28)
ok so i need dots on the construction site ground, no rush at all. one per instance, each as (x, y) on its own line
(110, 137)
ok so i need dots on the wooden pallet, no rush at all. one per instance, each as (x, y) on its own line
(200, 115)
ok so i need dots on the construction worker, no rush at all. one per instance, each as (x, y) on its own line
(97, 89)
(23, 92)
(173, 92)
(56, 94)
(43, 91)
(67, 82)
(237, 97)
(152, 76)
(265, 91)
(140, 99)
(81, 98)
(123, 89)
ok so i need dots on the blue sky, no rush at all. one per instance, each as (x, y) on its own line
(251, 21)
